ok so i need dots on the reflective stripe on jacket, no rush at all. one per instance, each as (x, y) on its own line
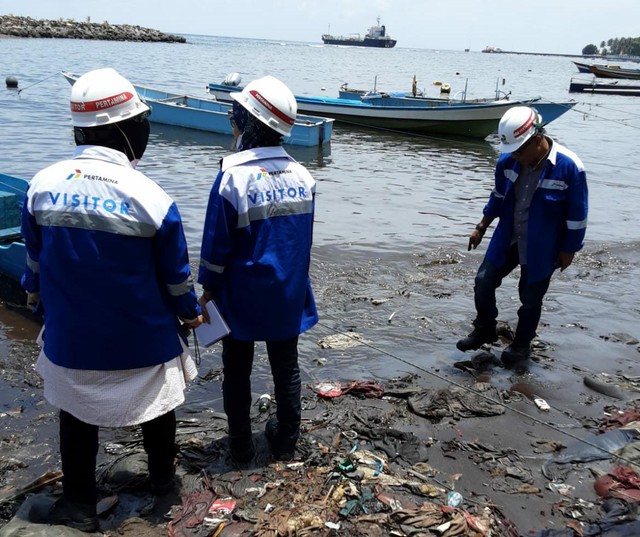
(107, 252)
(256, 245)
(557, 215)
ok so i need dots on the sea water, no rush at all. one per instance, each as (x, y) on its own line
(394, 211)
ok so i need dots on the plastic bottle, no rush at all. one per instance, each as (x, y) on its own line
(264, 402)
(541, 403)
(454, 499)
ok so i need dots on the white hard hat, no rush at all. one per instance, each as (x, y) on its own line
(104, 96)
(271, 101)
(518, 124)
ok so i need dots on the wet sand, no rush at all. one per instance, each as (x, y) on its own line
(406, 311)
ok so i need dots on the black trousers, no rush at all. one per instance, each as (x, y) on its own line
(237, 360)
(489, 278)
(79, 451)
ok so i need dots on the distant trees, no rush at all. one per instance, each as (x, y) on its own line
(618, 46)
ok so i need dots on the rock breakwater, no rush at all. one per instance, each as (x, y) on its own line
(70, 29)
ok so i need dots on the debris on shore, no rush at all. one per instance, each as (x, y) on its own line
(368, 464)
(14, 26)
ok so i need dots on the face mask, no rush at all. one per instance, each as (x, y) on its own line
(135, 135)
(140, 138)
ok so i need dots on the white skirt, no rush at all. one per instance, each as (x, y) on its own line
(117, 398)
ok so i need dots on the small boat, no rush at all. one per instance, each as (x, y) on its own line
(582, 67)
(413, 116)
(213, 116)
(603, 88)
(12, 248)
(406, 98)
(376, 37)
(417, 96)
(614, 71)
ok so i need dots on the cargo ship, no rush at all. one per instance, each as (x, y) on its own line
(376, 37)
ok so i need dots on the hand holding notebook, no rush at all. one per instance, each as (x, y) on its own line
(215, 329)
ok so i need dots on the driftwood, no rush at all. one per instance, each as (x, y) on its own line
(38, 483)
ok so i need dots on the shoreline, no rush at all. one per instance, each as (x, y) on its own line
(15, 26)
(587, 56)
(516, 465)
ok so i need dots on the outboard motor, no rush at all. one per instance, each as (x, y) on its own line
(232, 79)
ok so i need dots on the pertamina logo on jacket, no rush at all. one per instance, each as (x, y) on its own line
(88, 201)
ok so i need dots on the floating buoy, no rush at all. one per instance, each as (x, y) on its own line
(11, 82)
(445, 88)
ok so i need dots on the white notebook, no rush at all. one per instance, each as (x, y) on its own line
(215, 329)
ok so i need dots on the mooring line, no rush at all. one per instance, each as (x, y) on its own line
(471, 390)
(20, 90)
(39, 81)
(601, 118)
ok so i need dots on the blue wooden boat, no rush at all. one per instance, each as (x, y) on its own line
(460, 97)
(415, 116)
(360, 95)
(12, 248)
(213, 115)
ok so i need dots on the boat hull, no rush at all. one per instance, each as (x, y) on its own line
(12, 248)
(376, 37)
(213, 116)
(595, 88)
(582, 67)
(476, 120)
(608, 71)
(363, 95)
(12, 259)
(366, 42)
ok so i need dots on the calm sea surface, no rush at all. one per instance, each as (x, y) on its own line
(393, 216)
(376, 189)
(393, 211)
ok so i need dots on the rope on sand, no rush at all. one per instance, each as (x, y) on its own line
(477, 393)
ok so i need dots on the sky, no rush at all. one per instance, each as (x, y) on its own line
(551, 26)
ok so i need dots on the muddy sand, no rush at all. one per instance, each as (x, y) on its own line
(421, 419)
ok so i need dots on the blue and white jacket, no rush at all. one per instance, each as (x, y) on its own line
(557, 215)
(107, 252)
(256, 245)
